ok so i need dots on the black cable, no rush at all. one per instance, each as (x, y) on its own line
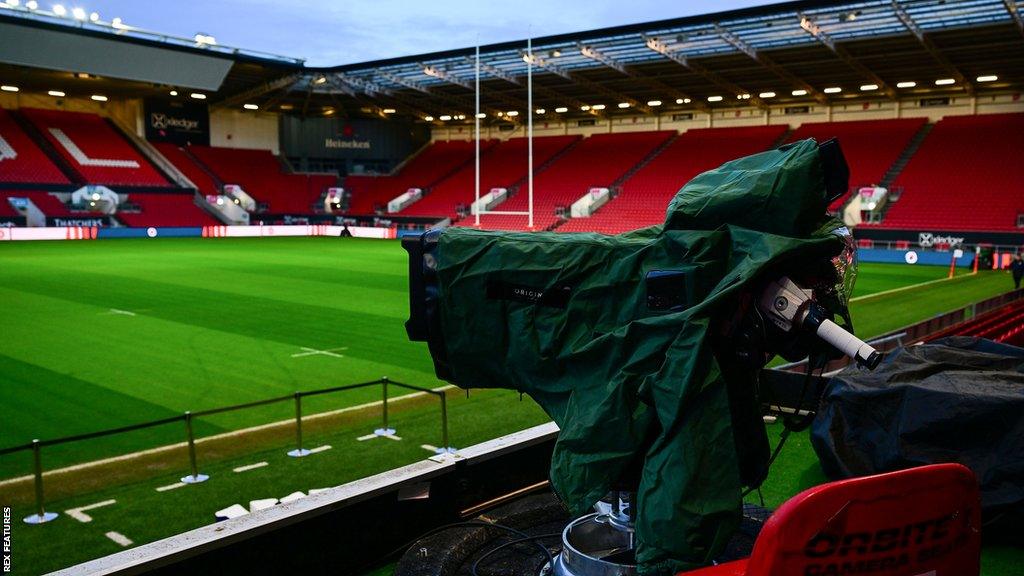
(550, 558)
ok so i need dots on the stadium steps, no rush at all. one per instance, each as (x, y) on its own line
(906, 155)
(47, 147)
(643, 162)
(206, 169)
(514, 188)
(782, 139)
(162, 165)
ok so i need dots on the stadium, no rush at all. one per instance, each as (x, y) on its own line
(460, 312)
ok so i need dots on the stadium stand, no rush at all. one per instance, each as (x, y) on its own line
(21, 160)
(94, 148)
(871, 147)
(434, 163)
(597, 161)
(502, 166)
(646, 193)
(261, 175)
(47, 203)
(166, 210)
(187, 165)
(965, 176)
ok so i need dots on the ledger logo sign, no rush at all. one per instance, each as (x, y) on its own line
(162, 121)
(8, 564)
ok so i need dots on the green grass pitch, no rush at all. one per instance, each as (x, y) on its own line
(111, 333)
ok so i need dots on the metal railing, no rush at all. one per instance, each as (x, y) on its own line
(187, 417)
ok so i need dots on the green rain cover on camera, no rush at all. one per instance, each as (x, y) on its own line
(565, 319)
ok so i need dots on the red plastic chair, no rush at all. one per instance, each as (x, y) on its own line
(923, 521)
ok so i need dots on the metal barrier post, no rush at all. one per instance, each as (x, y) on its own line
(195, 477)
(445, 447)
(299, 451)
(384, 430)
(41, 515)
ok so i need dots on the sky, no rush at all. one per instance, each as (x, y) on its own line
(334, 32)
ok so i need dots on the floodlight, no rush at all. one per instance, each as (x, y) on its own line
(799, 92)
(512, 113)
(906, 84)
(388, 110)
(991, 78)
(945, 81)
(60, 10)
(561, 109)
(597, 107)
(831, 90)
(714, 98)
(623, 104)
(446, 117)
(250, 106)
(98, 97)
(428, 118)
(56, 93)
(7, 88)
(766, 95)
(198, 96)
(868, 87)
(78, 13)
(174, 92)
(654, 102)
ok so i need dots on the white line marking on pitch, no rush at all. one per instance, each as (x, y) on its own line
(428, 447)
(315, 352)
(216, 437)
(116, 311)
(367, 437)
(170, 487)
(248, 467)
(910, 287)
(319, 449)
(80, 515)
(119, 538)
(392, 437)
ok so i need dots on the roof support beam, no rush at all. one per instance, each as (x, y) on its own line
(594, 54)
(546, 65)
(597, 55)
(661, 48)
(367, 87)
(494, 71)
(814, 30)
(272, 86)
(440, 74)
(930, 46)
(403, 82)
(1011, 7)
(768, 63)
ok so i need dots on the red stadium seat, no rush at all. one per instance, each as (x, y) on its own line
(924, 521)
(597, 161)
(427, 168)
(21, 160)
(261, 175)
(501, 166)
(166, 210)
(95, 149)
(183, 162)
(645, 196)
(47, 203)
(871, 147)
(965, 176)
